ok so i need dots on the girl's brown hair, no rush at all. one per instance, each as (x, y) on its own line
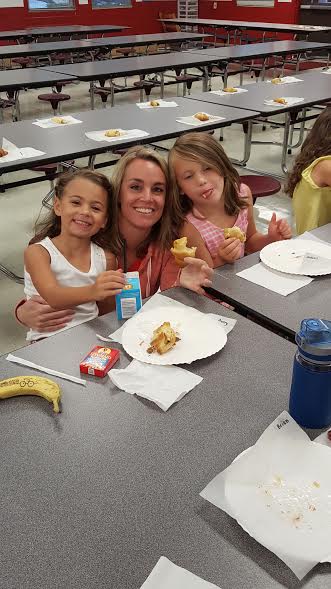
(51, 225)
(203, 148)
(316, 144)
(166, 229)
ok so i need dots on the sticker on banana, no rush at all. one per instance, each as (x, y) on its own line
(31, 385)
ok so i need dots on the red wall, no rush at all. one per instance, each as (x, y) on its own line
(282, 12)
(142, 17)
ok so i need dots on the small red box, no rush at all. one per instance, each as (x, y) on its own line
(99, 360)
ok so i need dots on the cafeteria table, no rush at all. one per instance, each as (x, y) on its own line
(92, 497)
(71, 30)
(280, 313)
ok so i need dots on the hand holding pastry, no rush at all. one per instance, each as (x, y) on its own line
(180, 251)
(278, 230)
(236, 233)
(230, 250)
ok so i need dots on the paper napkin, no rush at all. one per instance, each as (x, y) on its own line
(290, 100)
(125, 134)
(17, 153)
(167, 575)
(49, 123)
(286, 80)
(283, 284)
(222, 93)
(162, 104)
(196, 123)
(164, 385)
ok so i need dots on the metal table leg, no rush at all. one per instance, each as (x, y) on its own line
(92, 94)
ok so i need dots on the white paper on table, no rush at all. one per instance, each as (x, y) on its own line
(16, 153)
(308, 235)
(283, 284)
(49, 123)
(167, 575)
(162, 104)
(164, 385)
(196, 123)
(323, 439)
(326, 71)
(23, 362)
(285, 79)
(280, 494)
(125, 134)
(222, 93)
(290, 101)
(159, 300)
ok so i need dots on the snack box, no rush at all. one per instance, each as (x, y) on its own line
(99, 360)
(128, 302)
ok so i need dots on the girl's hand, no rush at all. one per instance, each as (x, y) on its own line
(196, 275)
(108, 284)
(278, 230)
(230, 250)
(38, 315)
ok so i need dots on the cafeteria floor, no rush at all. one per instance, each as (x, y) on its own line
(21, 206)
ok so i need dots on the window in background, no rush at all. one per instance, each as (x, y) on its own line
(111, 3)
(50, 4)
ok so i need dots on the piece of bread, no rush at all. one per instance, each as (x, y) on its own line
(3, 152)
(112, 133)
(230, 89)
(236, 233)
(180, 251)
(280, 100)
(276, 80)
(164, 338)
(154, 103)
(201, 116)
(59, 120)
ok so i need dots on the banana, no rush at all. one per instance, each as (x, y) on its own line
(31, 385)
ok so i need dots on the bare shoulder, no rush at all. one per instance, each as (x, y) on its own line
(322, 173)
(35, 253)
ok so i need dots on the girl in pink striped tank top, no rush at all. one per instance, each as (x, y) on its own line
(212, 199)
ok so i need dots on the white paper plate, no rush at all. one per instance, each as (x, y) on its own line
(298, 256)
(200, 336)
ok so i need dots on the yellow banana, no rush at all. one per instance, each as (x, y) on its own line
(31, 385)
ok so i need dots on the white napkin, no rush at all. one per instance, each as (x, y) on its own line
(16, 153)
(167, 575)
(283, 284)
(162, 104)
(159, 300)
(49, 123)
(285, 80)
(164, 385)
(196, 123)
(125, 134)
(326, 71)
(290, 100)
(24, 362)
(222, 93)
(279, 492)
(311, 236)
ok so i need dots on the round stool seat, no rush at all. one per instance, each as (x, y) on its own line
(125, 50)
(261, 185)
(49, 170)
(187, 79)
(54, 98)
(144, 84)
(23, 61)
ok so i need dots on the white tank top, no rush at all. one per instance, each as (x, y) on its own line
(68, 275)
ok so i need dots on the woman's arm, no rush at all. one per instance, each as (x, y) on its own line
(37, 314)
(277, 230)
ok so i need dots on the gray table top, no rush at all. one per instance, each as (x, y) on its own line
(243, 24)
(92, 498)
(31, 78)
(315, 88)
(111, 68)
(61, 30)
(136, 40)
(69, 141)
(284, 313)
(240, 52)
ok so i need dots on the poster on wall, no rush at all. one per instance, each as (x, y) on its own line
(50, 4)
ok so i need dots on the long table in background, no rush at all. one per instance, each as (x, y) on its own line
(275, 311)
(70, 30)
(92, 497)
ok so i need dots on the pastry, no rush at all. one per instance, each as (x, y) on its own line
(201, 116)
(180, 251)
(164, 338)
(280, 100)
(3, 152)
(230, 89)
(154, 103)
(235, 232)
(276, 81)
(113, 133)
(59, 120)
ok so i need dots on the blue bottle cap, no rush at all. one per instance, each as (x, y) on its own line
(314, 337)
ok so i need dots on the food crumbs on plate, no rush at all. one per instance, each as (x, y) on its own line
(316, 484)
(278, 481)
(312, 508)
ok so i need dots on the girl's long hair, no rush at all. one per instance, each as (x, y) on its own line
(51, 225)
(204, 149)
(316, 144)
(166, 229)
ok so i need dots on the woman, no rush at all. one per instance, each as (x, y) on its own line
(148, 221)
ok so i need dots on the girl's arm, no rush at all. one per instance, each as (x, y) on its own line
(108, 304)
(194, 239)
(277, 230)
(37, 263)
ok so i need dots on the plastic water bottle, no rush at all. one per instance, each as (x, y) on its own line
(310, 397)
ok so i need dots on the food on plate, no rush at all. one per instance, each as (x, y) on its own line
(235, 232)
(276, 80)
(164, 338)
(180, 251)
(154, 103)
(280, 100)
(201, 116)
(113, 133)
(3, 152)
(31, 385)
(59, 120)
(230, 89)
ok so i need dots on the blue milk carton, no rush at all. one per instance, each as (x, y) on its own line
(128, 302)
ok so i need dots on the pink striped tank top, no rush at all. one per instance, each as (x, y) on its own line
(213, 235)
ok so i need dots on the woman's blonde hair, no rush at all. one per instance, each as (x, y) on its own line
(316, 144)
(166, 229)
(204, 149)
(50, 226)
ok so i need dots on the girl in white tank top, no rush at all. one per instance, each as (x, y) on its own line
(70, 263)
